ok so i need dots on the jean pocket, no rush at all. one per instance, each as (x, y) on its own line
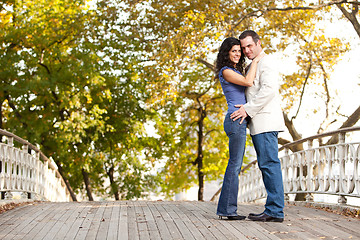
(228, 126)
(231, 127)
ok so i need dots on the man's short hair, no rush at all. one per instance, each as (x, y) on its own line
(250, 33)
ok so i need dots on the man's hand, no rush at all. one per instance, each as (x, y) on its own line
(240, 113)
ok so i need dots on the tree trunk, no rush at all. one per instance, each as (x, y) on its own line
(72, 194)
(113, 185)
(296, 136)
(351, 121)
(1, 125)
(1, 116)
(87, 184)
(294, 133)
(201, 183)
(199, 159)
(300, 197)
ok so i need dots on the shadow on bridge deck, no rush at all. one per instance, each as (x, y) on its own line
(166, 220)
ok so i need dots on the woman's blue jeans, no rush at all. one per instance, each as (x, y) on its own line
(227, 205)
(266, 147)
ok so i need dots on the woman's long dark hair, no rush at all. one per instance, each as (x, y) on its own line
(223, 59)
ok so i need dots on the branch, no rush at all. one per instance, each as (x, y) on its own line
(251, 14)
(351, 16)
(283, 141)
(198, 95)
(303, 90)
(213, 99)
(212, 130)
(13, 107)
(41, 60)
(312, 7)
(327, 93)
(351, 121)
(290, 126)
(209, 65)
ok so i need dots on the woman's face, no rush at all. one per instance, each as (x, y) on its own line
(235, 54)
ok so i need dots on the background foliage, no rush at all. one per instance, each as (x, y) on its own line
(87, 79)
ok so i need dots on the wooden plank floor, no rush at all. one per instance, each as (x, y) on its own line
(166, 220)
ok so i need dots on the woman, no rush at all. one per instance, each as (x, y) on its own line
(229, 69)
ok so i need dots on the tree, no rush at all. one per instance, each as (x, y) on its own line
(316, 60)
(183, 35)
(61, 88)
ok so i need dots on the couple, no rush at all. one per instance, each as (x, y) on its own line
(254, 99)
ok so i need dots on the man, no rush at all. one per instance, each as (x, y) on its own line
(263, 107)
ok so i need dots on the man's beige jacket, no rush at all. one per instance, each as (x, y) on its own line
(263, 100)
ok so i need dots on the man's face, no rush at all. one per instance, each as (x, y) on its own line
(250, 48)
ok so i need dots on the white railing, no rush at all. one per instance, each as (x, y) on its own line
(29, 171)
(330, 169)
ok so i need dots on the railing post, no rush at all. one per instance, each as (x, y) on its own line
(309, 159)
(8, 195)
(23, 172)
(37, 173)
(10, 142)
(285, 164)
(342, 199)
(309, 197)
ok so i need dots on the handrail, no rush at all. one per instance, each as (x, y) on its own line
(21, 170)
(24, 142)
(321, 135)
(313, 170)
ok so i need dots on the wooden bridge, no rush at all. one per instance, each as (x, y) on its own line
(331, 169)
(166, 220)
